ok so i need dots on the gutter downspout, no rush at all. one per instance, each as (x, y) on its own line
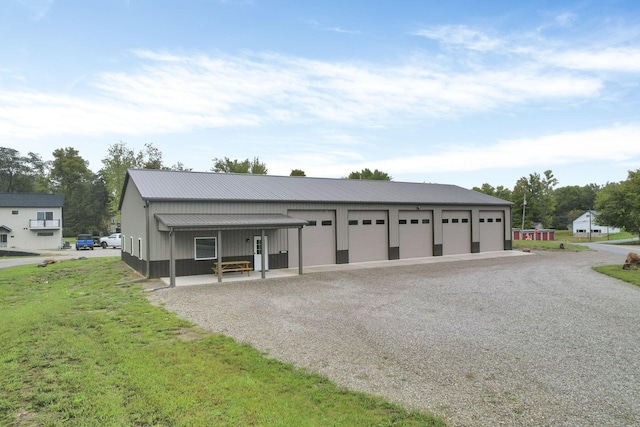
(172, 261)
(148, 244)
(300, 251)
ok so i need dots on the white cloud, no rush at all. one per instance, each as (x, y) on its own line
(614, 144)
(608, 59)
(175, 93)
(40, 8)
(566, 19)
(463, 36)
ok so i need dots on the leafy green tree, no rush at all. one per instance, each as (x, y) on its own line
(180, 167)
(571, 202)
(297, 172)
(120, 158)
(227, 165)
(499, 192)
(618, 204)
(538, 191)
(71, 176)
(22, 174)
(150, 158)
(368, 174)
(100, 200)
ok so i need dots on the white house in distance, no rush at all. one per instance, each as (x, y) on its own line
(30, 221)
(586, 225)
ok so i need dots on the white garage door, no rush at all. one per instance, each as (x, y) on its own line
(456, 232)
(416, 235)
(318, 238)
(368, 236)
(491, 231)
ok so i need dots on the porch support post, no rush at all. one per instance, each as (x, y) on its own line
(219, 254)
(300, 251)
(262, 248)
(172, 260)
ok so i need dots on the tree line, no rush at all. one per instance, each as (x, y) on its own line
(536, 200)
(92, 198)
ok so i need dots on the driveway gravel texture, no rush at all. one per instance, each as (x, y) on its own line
(535, 340)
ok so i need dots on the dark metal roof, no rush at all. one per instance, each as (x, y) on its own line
(162, 185)
(228, 221)
(31, 200)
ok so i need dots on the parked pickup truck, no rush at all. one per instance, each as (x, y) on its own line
(84, 241)
(114, 241)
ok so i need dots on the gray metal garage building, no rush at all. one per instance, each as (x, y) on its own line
(177, 223)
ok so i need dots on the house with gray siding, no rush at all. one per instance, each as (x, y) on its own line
(177, 223)
(31, 220)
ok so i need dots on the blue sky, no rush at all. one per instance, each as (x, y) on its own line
(458, 92)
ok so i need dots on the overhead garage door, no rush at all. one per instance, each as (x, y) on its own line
(318, 238)
(491, 231)
(456, 232)
(416, 235)
(368, 236)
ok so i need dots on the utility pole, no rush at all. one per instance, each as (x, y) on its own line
(524, 207)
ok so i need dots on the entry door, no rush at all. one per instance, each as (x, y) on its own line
(3, 240)
(258, 247)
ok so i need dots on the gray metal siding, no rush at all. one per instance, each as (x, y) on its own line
(133, 222)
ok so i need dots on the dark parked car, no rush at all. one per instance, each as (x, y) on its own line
(84, 241)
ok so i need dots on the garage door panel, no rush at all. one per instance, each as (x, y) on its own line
(456, 232)
(415, 231)
(491, 231)
(318, 238)
(368, 236)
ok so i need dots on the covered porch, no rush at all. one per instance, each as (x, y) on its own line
(217, 223)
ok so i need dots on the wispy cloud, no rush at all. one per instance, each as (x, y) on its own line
(603, 145)
(39, 8)
(336, 29)
(566, 19)
(461, 36)
(599, 55)
(625, 59)
(170, 92)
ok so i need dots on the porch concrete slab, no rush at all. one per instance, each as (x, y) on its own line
(210, 279)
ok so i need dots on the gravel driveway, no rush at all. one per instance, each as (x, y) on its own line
(520, 341)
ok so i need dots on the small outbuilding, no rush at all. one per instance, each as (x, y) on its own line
(586, 225)
(177, 223)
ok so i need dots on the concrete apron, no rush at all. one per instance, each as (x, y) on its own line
(210, 279)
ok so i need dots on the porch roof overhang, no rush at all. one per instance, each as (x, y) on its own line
(188, 222)
(5, 228)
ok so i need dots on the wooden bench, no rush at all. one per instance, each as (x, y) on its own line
(232, 266)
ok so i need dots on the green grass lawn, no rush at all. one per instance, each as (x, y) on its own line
(545, 245)
(566, 238)
(79, 349)
(630, 276)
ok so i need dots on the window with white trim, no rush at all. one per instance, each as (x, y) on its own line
(139, 248)
(205, 248)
